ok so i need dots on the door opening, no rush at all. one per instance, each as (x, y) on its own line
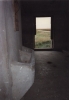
(43, 33)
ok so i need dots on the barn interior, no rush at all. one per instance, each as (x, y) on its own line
(50, 81)
(18, 28)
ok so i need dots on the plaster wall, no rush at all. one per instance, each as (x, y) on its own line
(68, 25)
(13, 36)
(60, 31)
(10, 43)
(28, 31)
(16, 76)
(5, 84)
(29, 40)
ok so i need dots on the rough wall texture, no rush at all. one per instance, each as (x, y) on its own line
(10, 43)
(5, 84)
(13, 37)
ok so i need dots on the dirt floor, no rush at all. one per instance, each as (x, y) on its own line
(51, 77)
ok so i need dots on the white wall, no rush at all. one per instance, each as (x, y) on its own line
(10, 44)
(43, 22)
(13, 37)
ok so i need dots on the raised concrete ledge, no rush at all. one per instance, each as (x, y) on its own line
(22, 77)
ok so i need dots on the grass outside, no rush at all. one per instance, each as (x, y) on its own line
(43, 40)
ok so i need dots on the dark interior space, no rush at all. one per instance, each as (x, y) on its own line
(27, 73)
(51, 79)
(58, 10)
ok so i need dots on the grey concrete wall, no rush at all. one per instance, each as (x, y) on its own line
(13, 37)
(28, 31)
(68, 35)
(60, 31)
(10, 43)
(68, 25)
(5, 84)
(29, 40)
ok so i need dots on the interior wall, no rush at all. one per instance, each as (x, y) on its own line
(28, 31)
(14, 37)
(68, 25)
(5, 84)
(58, 11)
(29, 40)
(10, 43)
(60, 31)
(68, 34)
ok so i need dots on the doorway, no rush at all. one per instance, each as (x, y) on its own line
(43, 33)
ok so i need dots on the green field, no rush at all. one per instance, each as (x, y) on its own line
(43, 40)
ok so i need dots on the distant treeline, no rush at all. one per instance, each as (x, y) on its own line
(43, 29)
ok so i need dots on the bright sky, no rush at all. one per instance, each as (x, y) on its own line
(43, 22)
